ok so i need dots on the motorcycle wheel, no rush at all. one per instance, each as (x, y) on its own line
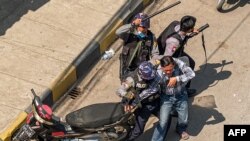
(226, 5)
(219, 4)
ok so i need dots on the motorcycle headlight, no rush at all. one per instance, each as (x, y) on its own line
(39, 119)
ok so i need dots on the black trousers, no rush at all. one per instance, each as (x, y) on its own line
(142, 115)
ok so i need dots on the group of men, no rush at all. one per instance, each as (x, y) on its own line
(155, 73)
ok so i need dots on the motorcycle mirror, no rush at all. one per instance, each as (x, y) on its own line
(33, 92)
(36, 100)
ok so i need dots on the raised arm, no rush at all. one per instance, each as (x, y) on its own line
(188, 73)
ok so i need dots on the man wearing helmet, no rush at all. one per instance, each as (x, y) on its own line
(139, 44)
(141, 87)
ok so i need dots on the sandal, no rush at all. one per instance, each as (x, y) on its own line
(184, 135)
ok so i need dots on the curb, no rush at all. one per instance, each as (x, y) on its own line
(83, 63)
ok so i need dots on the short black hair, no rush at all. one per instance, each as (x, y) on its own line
(187, 23)
(167, 60)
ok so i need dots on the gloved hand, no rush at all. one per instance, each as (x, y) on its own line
(129, 95)
(128, 98)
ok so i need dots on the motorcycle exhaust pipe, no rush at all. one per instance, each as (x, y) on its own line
(96, 136)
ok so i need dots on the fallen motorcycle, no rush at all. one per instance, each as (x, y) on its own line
(99, 122)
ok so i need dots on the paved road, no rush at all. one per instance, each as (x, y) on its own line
(38, 40)
(223, 87)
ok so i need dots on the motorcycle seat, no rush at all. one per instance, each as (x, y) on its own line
(95, 115)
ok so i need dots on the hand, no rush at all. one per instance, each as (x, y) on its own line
(195, 30)
(137, 22)
(172, 82)
(157, 62)
(129, 95)
(128, 108)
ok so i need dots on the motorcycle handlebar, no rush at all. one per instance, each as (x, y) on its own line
(199, 29)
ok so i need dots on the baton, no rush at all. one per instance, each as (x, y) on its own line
(164, 9)
(200, 30)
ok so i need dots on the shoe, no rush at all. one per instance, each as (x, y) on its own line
(184, 135)
(191, 92)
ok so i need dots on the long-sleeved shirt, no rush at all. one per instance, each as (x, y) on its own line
(124, 31)
(152, 88)
(172, 44)
(183, 74)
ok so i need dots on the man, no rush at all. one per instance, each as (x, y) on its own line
(141, 86)
(139, 43)
(175, 74)
(172, 40)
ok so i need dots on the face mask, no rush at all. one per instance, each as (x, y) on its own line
(141, 35)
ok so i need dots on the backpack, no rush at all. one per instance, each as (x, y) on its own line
(168, 32)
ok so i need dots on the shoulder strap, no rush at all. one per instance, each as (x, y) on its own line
(133, 55)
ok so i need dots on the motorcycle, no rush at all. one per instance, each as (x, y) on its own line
(226, 5)
(99, 122)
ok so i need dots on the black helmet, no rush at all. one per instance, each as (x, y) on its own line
(144, 23)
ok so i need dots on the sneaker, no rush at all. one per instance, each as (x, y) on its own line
(191, 92)
(184, 135)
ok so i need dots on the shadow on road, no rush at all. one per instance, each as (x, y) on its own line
(202, 111)
(12, 10)
(207, 76)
